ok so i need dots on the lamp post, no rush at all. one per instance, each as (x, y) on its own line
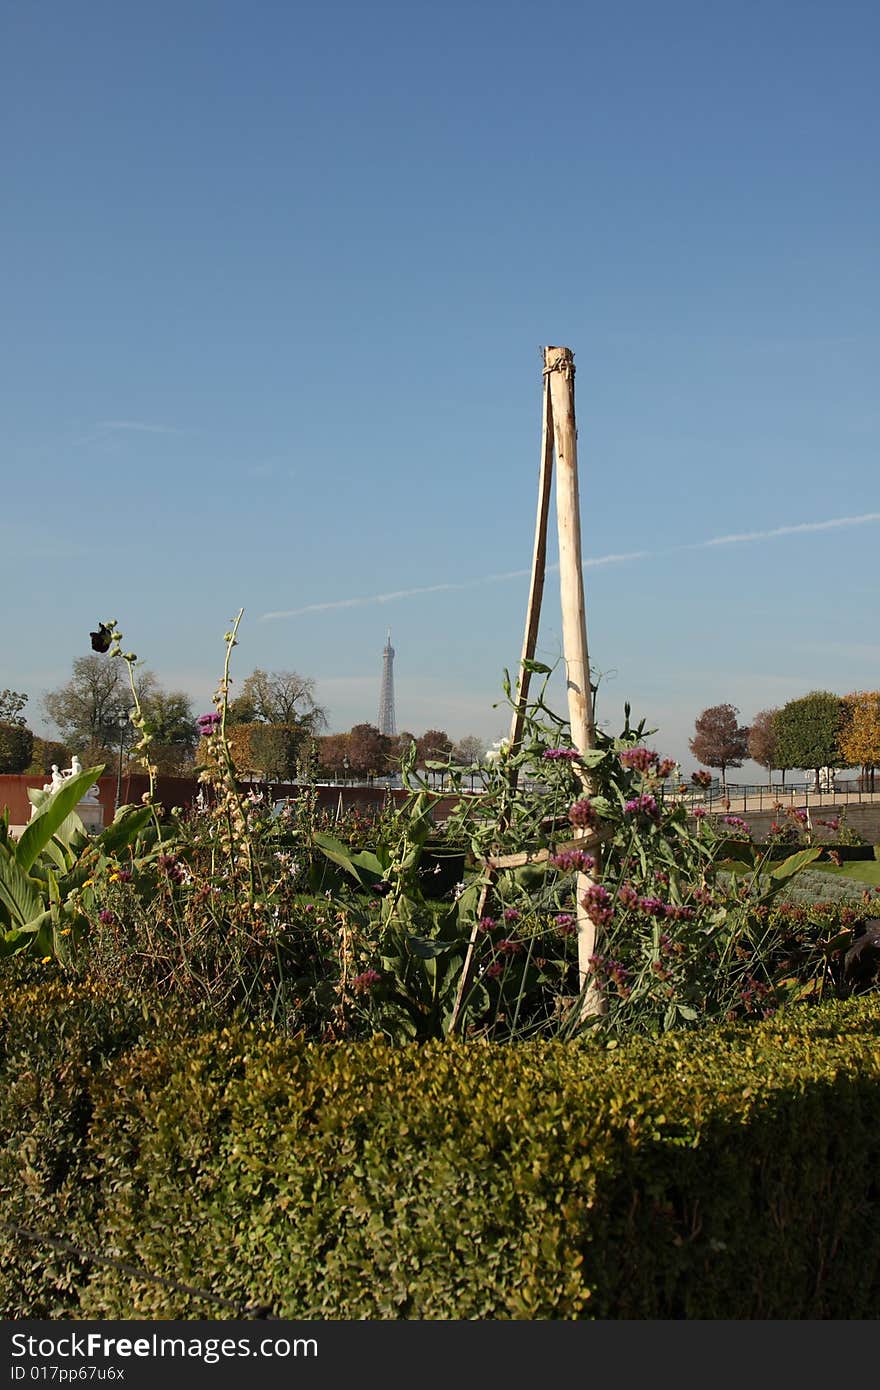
(122, 721)
(345, 767)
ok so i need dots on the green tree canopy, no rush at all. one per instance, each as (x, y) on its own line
(16, 746)
(170, 720)
(807, 732)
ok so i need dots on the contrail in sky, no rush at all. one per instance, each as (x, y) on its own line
(592, 562)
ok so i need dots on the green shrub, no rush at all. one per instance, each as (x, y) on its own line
(16, 747)
(727, 1173)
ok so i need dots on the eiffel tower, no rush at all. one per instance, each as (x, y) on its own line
(387, 723)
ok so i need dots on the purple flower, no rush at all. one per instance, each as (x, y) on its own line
(581, 814)
(556, 754)
(566, 923)
(107, 917)
(652, 907)
(573, 859)
(508, 948)
(644, 805)
(640, 759)
(510, 914)
(362, 984)
(597, 902)
(208, 723)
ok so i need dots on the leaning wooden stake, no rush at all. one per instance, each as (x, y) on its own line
(530, 638)
(559, 370)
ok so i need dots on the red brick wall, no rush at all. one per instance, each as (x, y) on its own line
(182, 791)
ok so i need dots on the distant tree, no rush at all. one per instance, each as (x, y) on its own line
(762, 740)
(399, 746)
(719, 741)
(170, 721)
(332, 749)
(12, 702)
(279, 697)
(16, 746)
(859, 737)
(434, 745)
(469, 750)
(807, 732)
(238, 739)
(276, 750)
(45, 753)
(367, 750)
(87, 710)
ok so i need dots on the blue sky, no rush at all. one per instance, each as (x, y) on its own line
(276, 281)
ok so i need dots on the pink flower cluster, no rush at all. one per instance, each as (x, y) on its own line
(362, 984)
(639, 759)
(573, 860)
(604, 968)
(597, 902)
(508, 947)
(653, 907)
(582, 815)
(570, 755)
(644, 805)
(738, 823)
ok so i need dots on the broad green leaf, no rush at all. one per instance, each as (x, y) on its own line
(363, 867)
(428, 950)
(52, 814)
(592, 757)
(19, 894)
(794, 863)
(124, 829)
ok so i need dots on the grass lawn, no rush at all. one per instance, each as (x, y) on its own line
(864, 870)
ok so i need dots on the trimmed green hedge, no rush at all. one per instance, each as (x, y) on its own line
(730, 1173)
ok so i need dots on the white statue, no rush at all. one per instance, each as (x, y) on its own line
(57, 780)
(75, 765)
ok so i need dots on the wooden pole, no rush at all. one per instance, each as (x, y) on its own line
(559, 371)
(530, 637)
(539, 562)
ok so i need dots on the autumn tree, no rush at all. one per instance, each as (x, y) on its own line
(281, 707)
(367, 750)
(807, 732)
(332, 750)
(399, 745)
(434, 746)
(719, 741)
(859, 737)
(762, 741)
